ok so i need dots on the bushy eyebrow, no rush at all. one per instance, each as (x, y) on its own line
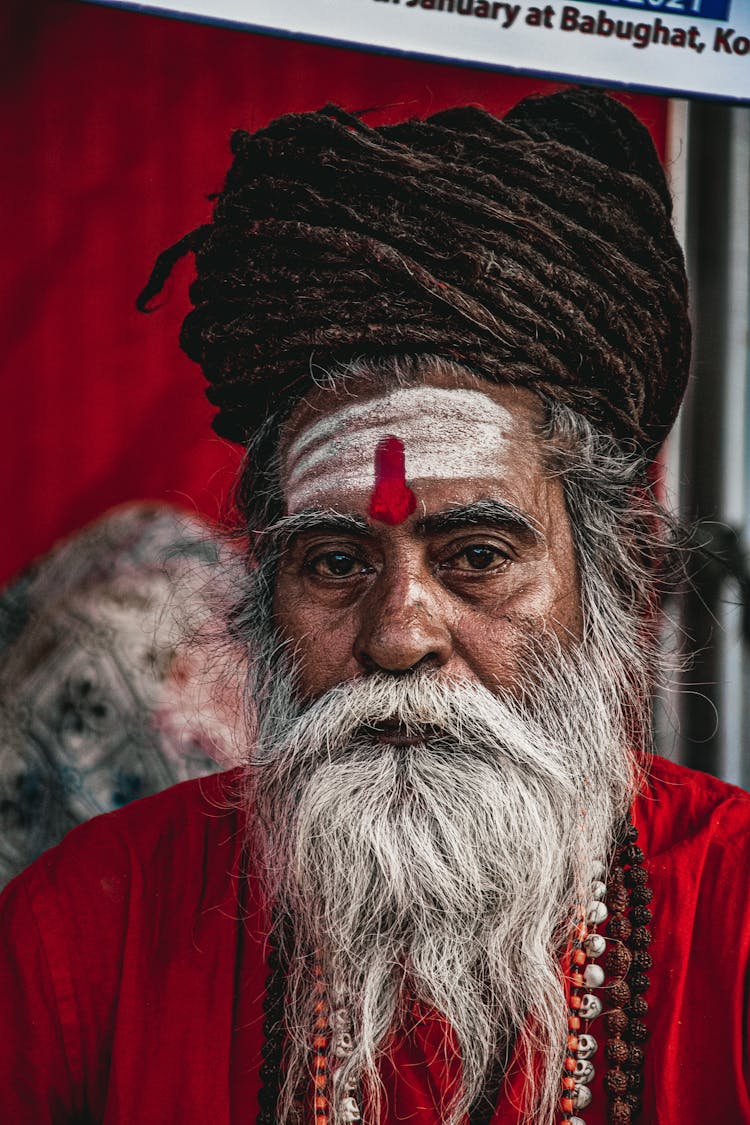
(482, 512)
(318, 520)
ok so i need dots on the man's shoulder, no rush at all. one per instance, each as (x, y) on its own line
(115, 938)
(147, 841)
(680, 807)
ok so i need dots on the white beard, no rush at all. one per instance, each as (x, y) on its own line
(452, 868)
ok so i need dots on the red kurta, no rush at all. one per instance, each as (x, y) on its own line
(134, 968)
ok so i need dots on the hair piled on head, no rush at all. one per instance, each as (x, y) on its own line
(535, 249)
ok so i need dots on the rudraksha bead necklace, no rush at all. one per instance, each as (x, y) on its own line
(620, 907)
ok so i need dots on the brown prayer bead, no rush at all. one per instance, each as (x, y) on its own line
(639, 1007)
(632, 855)
(619, 927)
(641, 937)
(619, 1112)
(619, 994)
(617, 1021)
(615, 1082)
(617, 961)
(637, 1031)
(642, 960)
(617, 1051)
(638, 982)
(634, 1081)
(635, 1057)
(617, 900)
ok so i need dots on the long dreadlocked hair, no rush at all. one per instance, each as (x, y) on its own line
(536, 250)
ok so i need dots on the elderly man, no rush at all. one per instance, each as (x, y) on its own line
(452, 348)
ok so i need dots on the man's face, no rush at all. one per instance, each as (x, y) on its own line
(446, 547)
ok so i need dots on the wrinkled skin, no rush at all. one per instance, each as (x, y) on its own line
(460, 599)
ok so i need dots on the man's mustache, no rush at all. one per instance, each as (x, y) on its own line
(422, 710)
(418, 704)
(393, 732)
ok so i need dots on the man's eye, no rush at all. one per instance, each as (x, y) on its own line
(479, 558)
(336, 564)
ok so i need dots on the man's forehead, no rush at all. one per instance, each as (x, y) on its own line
(420, 406)
(447, 433)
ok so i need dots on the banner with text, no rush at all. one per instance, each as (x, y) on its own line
(674, 46)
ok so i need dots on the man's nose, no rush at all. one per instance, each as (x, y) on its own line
(402, 625)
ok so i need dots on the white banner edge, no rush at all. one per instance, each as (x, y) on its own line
(375, 49)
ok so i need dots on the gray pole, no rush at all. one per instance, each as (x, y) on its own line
(715, 442)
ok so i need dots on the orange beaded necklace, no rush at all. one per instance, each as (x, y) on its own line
(620, 906)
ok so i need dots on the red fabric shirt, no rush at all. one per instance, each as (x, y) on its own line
(134, 968)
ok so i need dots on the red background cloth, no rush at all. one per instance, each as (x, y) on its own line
(115, 128)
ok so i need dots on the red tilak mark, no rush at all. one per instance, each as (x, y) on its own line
(392, 500)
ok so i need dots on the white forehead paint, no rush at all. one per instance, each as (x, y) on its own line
(447, 434)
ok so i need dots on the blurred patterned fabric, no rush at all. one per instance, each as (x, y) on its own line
(116, 679)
